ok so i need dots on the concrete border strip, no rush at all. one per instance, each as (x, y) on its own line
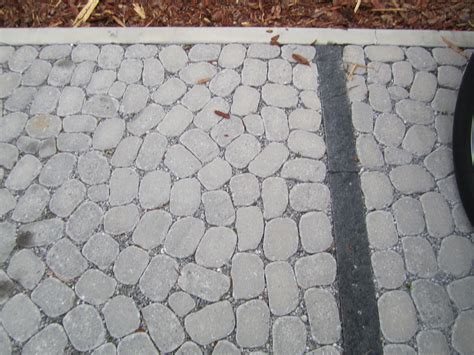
(180, 35)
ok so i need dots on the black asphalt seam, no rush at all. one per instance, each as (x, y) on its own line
(358, 305)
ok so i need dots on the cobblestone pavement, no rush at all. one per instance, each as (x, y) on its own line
(135, 219)
(421, 241)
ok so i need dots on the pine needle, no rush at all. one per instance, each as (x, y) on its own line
(139, 10)
(356, 8)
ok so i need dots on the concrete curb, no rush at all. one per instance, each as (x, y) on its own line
(163, 35)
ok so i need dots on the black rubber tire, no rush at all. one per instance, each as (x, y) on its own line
(463, 121)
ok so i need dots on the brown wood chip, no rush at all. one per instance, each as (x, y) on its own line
(203, 81)
(274, 41)
(300, 59)
(222, 114)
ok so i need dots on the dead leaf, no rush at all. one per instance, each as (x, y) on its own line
(203, 81)
(274, 41)
(222, 114)
(300, 59)
(85, 13)
(118, 21)
(356, 8)
(454, 47)
(139, 10)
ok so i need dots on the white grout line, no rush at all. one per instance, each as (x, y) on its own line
(179, 35)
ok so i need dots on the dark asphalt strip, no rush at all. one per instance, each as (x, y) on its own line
(358, 305)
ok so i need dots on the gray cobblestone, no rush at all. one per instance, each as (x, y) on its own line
(419, 140)
(397, 316)
(81, 75)
(414, 112)
(377, 189)
(151, 152)
(461, 339)
(200, 144)
(254, 124)
(57, 170)
(323, 316)
(368, 151)
(52, 338)
(420, 58)
(232, 55)
(279, 71)
(184, 237)
(384, 53)
(280, 239)
(218, 208)
(410, 179)
(12, 126)
(216, 247)
(85, 219)
(130, 264)
(402, 73)
(245, 101)
(379, 73)
(408, 214)
(461, 292)
(126, 152)
(151, 229)
(110, 56)
(10, 81)
(173, 58)
(305, 77)
(279, 95)
(175, 121)
(306, 144)
(439, 221)
(95, 287)
(309, 196)
(305, 119)
(379, 98)
(43, 232)
(263, 51)
(388, 269)
(245, 189)
(31, 205)
(79, 123)
(274, 197)
(84, 327)
(431, 342)
(181, 162)
(181, 303)
(130, 71)
(196, 98)
(315, 242)
(7, 202)
(136, 343)
(394, 349)
(155, 189)
(98, 193)
(22, 58)
(419, 257)
(249, 225)
(83, 52)
(159, 278)
(20, 99)
(121, 316)
(281, 287)
(146, 120)
(5, 53)
(381, 229)
(306, 170)
(253, 323)
(315, 270)
(455, 255)
(276, 123)
(170, 91)
(289, 336)
(224, 347)
(389, 129)
(185, 197)
(61, 73)
(461, 221)
(45, 100)
(26, 268)
(101, 249)
(310, 100)
(225, 82)
(101, 106)
(449, 76)
(65, 260)
(153, 72)
(440, 162)
(446, 56)
(398, 93)
(37, 73)
(20, 317)
(247, 276)
(134, 98)
(194, 72)
(101, 81)
(121, 219)
(226, 131)
(444, 100)
(215, 174)
(203, 283)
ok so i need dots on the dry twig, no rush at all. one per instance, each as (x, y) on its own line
(85, 13)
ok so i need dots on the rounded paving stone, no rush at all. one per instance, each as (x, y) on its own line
(388, 269)
(242, 150)
(245, 101)
(253, 323)
(414, 112)
(420, 58)
(423, 87)
(151, 229)
(323, 316)
(368, 151)
(245, 189)
(409, 179)
(377, 189)
(20, 317)
(181, 162)
(216, 247)
(43, 126)
(309, 196)
(184, 236)
(289, 336)
(189, 348)
(121, 316)
(249, 225)
(270, 159)
(431, 342)
(397, 316)
(185, 197)
(121, 219)
(280, 239)
(95, 287)
(274, 197)
(65, 260)
(212, 323)
(461, 292)
(170, 91)
(173, 58)
(67, 197)
(456, 255)
(306, 144)
(31, 205)
(254, 72)
(218, 208)
(26, 268)
(84, 221)
(101, 250)
(440, 162)
(53, 297)
(419, 140)
(84, 328)
(419, 256)
(57, 170)
(224, 347)
(462, 339)
(134, 99)
(305, 119)
(281, 287)
(40, 233)
(389, 129)
(51, 339)
(159, 278)
(93, 168)
(247, 276)
(315, 270)
(108, 134)
(200, 144)
(7, 202)
(123, 186)
(163, 327)
(432, 303)
(130, 264)
(315, 232)
(276, 123)
(105, 349)
(439, 222)
(232, 55)
(136, 343)
(181, 303)
(224, 83)
(215, 174)
(203, 283)
(23, 173)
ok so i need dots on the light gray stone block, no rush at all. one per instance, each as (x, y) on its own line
(130, 264)
(315, 232)
(31, 205)
(159, 278)
(280, 239)
(216, 247)
(83, 222)
(309, 196)
(181, 303)
(121, 219)
(281, 287)
(439, 221)
(155, 189)
(280, 71)
(461, 339)
(247, 276)
(185, 197)
(194, 72)
(410, 179)
(101, 250)
(414, 112)
(397, 316)
(170, 91)
(232, 55)
(65, 260)
(461, 292)
(203, 283)
(315, 270)
(384, 53)
(52, 339)
(278, 95)
(84, 328)
(26, 268)
(95, 287)
(289, 336)
(249, 225)
(173, 58)
(57, 170)
(368, 151)
(151, 152)
(389, 129)
(456, 255)
(323, 316)
(253, 323)
(408, 214)
(377, 189)
(83, 52)
(215, 174)
(225, 82)
(136, 343)
(388, 269)
(245, 101)
(200, 144)
(419, 257)
(218, 208)
(22, 58)
(20, 317)
(420, 58)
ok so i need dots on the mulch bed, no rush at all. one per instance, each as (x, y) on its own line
(415, 14)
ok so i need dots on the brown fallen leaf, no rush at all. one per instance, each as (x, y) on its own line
(203, 81)
(300, 59)
(274, 41)
(454, 47)
(222, 114)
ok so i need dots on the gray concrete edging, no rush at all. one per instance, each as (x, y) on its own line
(180, 35)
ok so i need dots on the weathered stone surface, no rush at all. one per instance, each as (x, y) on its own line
(368, 151)
(136, 343)
(445, 100)
(185, 197)
(455, 255)
(170, 91)
(130, 264)
(130, 71)
(281, 239)
(98, 193)
(181, 162)
(163, 326)
(439, 221)
(36, 74)
(8, 155)
(432, 303)
(389, 129)
(173, 58)
(121, 219)
(224, 83)
(108, 134)
(31, 205)
(84, 327)
(23, 173)
(212, 323)
(51, 339)
(83, 52)
(397, 316)
(215, 174)
(462, 337)
(204, 52)
(65, 260)
(224, 347)
(216, 247)
(279, 95)
(253, 323)
(181, 303)
(184, 237)
(146, 120)
(270, 159)
(83, 222)
(431, 342)
(110, 56)
(126, 152)
(153, 72)
(245, 189)
(254, 72)
(279, 71)
(419, 140)
(20, 99)
(289, 336)
(309, 196)
(151, 151)
(82, 74)
(245, 101)
(100, 82)
(218, 208)
(26, 268)
(274, 197)
(203, 283)
(323, 316)
(315, 232)
(7, 239)
(207, 118)
(40, 233)
(196, 98)
(242, 150)
(200, 144)
(194, 72)
(232, 55)
(461, 292)
(388, 269)
(419, 256)
(61, 72)
(282, 288)
(226, 131)
(440, 162)
(384, 53)
(57, 170)
(95, 287)
(73, 142)
(377, 189)
(315, 270)
(134, 99)
(159, 278)
(414, 112)
(189, 348)
(101, 106)
(305, 77)
(123, 186)
(247, 276)
(410, 179)
(7, 202)
(101, 250)
(20, 317)
(420, 58)
(155, 189)
(249, 225)
(12, 126)
(446, 56)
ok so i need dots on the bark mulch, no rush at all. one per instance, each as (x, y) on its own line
(414, 14)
